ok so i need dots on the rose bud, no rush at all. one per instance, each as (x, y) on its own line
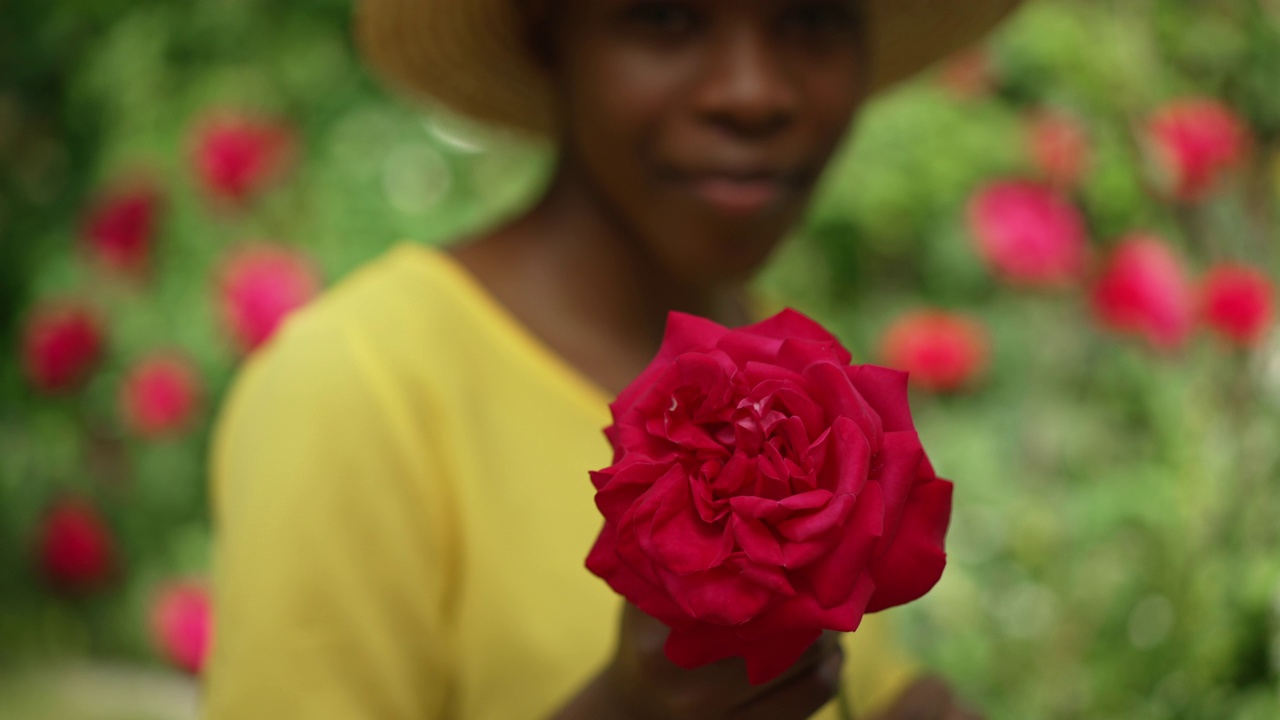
(940, 351)
(1238, 303)
(119, 228)
(75, 547)
(1059, 147)
(968, 75)
(61, 346)
(181, 620)
(259, 286)
(159, 396)
(238, 156)
(1143, 290)
(1028, 233)
(1194, 143)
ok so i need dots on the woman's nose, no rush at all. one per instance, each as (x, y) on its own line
(745, 88)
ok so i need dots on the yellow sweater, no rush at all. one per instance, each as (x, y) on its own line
(402, 512)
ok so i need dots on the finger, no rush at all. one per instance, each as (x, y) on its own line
(800, 696)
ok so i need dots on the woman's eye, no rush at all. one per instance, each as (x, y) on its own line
(665, 18)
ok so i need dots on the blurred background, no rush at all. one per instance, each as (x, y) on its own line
(1068, 235)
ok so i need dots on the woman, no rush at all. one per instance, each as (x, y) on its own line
(400, 477)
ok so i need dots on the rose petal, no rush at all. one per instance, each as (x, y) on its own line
(603, 561)
(755, 538)
(840, 398)
(811, 500)
(770, 657)
(684, 333)
(721, 595)
(886, 391)
(914, 562)
(802, 611)
(848, 459)
(896, 474)
(677, 538)
(798, 354)
(792, 324)
(835, 575)
(693, 645)
(619, 488)
(814, 526)
(738, 473)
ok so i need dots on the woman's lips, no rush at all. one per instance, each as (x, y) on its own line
(737, 196)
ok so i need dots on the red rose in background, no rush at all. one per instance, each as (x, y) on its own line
(1238, 303)
(1196, 142)
(1028, 233)
(259, 286)
(764, 490)
(1059, 146)
(940, 351)
(61, 346)
(75, 547)
(120, 228)
(237, 156)
(181, 622)
(160, 395)
(1143, 290)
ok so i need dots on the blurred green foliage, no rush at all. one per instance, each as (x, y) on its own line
(1114, 549)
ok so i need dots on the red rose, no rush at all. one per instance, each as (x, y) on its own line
(1195, 142)
(75, 547)
(1238, 302)
(940, 351)
(1059, 147)
(61, 345)
(1143, 290)
(260, 286)
(119, 228)
(763, 490)
(181, 622)
(1028, 233)
(237, 156)
(159, 396)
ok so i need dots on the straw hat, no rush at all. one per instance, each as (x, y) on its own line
(471, 56)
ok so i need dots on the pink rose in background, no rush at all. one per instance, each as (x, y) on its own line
(940, 351)
(1059, 147)
(76, 550)
(181, 623)
(1238, 303)
(1195, 142)
(238, 155)
(61, 345)
(1028, 233)
(259, 286)
(1143, 290)
(160, 395)
(120, 226)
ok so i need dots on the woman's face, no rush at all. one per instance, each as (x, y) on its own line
(704, 124)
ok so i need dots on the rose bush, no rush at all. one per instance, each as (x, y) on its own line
(764, 490)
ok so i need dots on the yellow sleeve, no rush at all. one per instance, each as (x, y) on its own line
(877, 670)
(332, 551)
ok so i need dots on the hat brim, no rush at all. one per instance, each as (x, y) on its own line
(470, 55)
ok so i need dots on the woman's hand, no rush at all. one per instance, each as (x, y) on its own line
(642, 684)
